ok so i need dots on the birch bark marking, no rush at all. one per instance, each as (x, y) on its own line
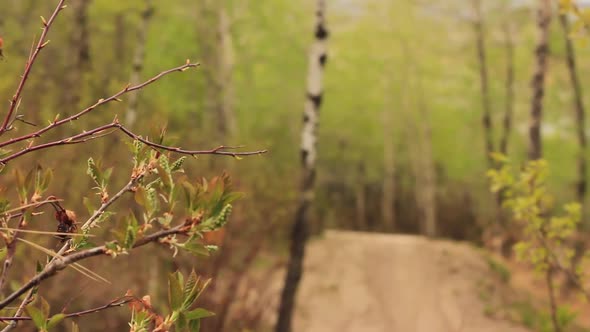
(538, 81)
(300, 230)
(138, 60)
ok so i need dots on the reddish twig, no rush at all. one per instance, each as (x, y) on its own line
(92, 134)
(40, 45)
(100, 102)
(220, 150)
(114, 303)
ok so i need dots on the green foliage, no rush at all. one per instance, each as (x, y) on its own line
(181, 299)
(526, 196)
(536, 320)
(140, 321)
(546, 239)
(100, 178)
(582, 23)
(41, 318)
(500, 269)
(211, 200)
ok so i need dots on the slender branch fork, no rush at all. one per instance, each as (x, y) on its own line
(11, 245)
(62, 262)
(29, 297)
(40, 45)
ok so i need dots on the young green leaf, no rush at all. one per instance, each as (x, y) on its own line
(55, 319)
(175, 291)
(37, 316)
(94, 172)
(194, 325)
(190, 290)
(198, 314)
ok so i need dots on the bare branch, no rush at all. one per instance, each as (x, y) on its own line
(220, 150)
(115, 303)
(28, 298)
(557, 264)
(40, 45)
(19, 311)
(11, 245)
(60, 263)
(102, 209)
(100, 102)
(96, 133)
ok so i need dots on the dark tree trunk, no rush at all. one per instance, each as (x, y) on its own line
(580, 112)
(361, 198)
(388, 195)
(486, 117)
(80, 47)
(509, 101)
(538, 81)
(300, 231)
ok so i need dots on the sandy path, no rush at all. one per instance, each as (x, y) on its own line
(374, 283)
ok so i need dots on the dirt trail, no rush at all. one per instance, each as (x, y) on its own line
(392, 283)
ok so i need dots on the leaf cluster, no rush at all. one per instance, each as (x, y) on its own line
(181, 298)
(545, 236)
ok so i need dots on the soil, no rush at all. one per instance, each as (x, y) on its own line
(371, 282)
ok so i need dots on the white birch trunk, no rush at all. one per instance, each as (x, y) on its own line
(300, 231)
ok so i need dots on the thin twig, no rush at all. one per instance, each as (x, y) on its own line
(19, 311)
(40, 45)
(91, 134)
(60, 263)
(115, 303)
(100, 102)
(11, 246)
(102, 209)
(33, 204)
(29, 296)
(557, 264)
(41, 232)
(220, 150)
(10, 251)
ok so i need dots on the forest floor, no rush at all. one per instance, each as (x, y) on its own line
(375, 282)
